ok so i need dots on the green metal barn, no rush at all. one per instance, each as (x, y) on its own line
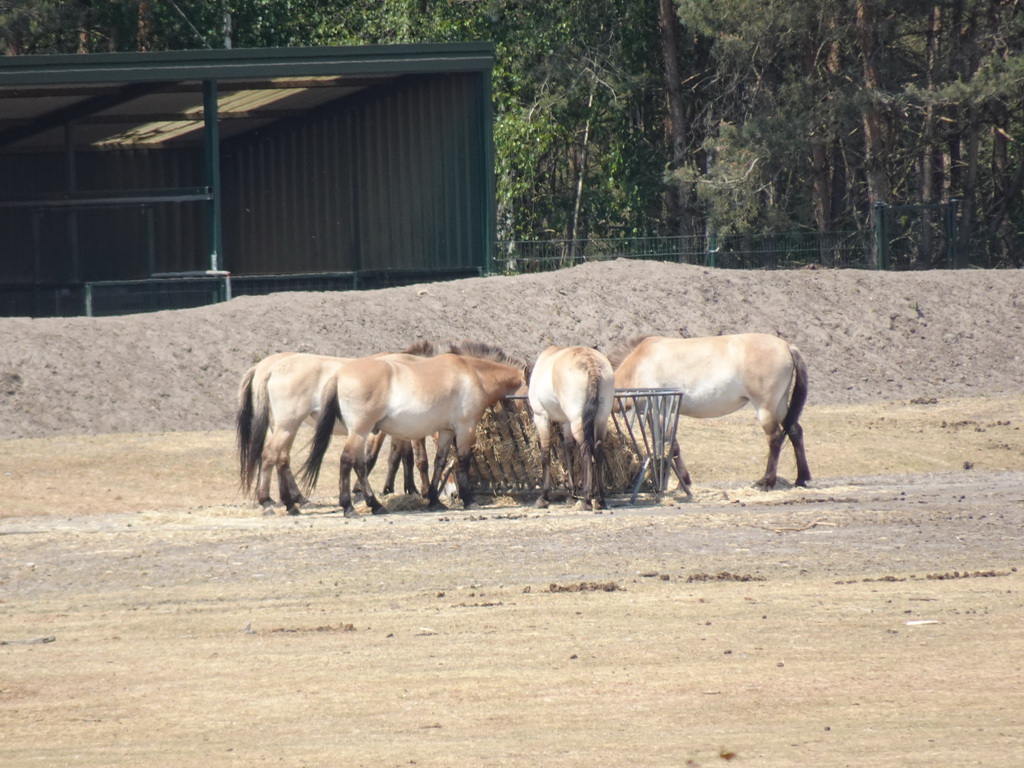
(139, 181)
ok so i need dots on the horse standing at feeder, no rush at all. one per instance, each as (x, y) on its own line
(409, 398)
(574, 387)
(719, 375)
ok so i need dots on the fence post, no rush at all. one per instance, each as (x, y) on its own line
(712, 250)
(881, 237)
(952, 235)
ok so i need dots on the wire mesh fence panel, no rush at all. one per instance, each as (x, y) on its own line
(919, 236)
(393, 278)
(185, 290)
(124, 297)
(261, 285)
(749, 251)
(789, 250)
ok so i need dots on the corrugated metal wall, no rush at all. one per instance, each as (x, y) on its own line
(105, 242)
(286, 202)
(392, 180)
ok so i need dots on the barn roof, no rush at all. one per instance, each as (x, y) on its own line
(113, 100)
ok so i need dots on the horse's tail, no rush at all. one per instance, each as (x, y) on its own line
(799, 396)
(249, 433)
(590, 409)
(330, 412)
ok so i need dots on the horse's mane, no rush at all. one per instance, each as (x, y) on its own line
(621, 350)
(467, 348)
(422, 348)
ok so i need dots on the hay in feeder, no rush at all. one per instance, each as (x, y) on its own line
(506, 456)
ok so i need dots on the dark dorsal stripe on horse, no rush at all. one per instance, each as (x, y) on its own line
(467, 348)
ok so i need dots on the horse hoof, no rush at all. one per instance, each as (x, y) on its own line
(380, 509)
(268, 511)
(293, 511)
(350, 513)
(542, 504)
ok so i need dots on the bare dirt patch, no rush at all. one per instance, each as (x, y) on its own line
(873, 618)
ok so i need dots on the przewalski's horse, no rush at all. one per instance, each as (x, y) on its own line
(409, 398)
(275, 397)
(721, 374)
(574, 387)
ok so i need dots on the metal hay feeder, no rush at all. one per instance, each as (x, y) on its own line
(506, 459)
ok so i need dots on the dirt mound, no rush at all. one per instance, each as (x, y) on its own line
(867, 336)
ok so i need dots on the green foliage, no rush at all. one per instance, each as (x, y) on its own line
(778, 95)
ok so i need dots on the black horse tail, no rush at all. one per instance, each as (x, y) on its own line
(330, 412)
(249, 434)
(799, 396)
(590, 409)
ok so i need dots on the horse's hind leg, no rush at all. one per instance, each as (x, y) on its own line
(268, 461)
(394, 459)
(263, 486)
(362, 472)
(681, 472)
(291, 497)
(544, 439)
(598, 500)
(776, 437)
(408, 466)
(569, 453)
(803, 472)
(345, 480)
(444, 444)
(276, 455)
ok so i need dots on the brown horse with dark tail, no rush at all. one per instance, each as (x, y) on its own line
(410, 398)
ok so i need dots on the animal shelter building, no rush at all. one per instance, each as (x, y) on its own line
(139, 181)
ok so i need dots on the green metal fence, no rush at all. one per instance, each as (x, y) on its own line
(773, 251)
(907, 237)
(195, 289)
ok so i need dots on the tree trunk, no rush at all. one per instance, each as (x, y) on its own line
(677, 203)
(970, 181)
(872, 118)
(929, 192)
(581, 173)
(823, 147)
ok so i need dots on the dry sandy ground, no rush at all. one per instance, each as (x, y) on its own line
(149, 616)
